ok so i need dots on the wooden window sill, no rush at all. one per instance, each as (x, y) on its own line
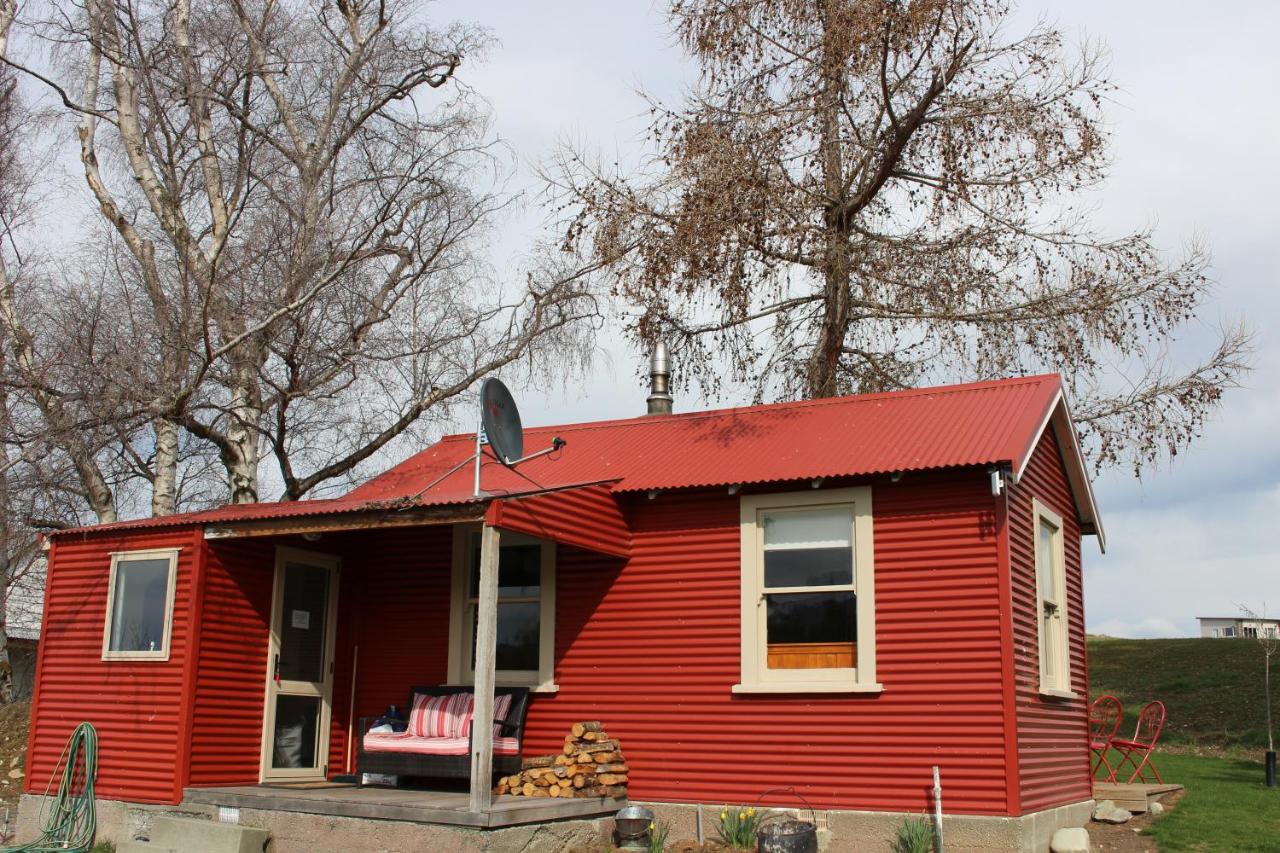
(542, 687)
(1053, 693)
(808, 687)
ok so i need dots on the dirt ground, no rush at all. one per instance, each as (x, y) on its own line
(13, 757)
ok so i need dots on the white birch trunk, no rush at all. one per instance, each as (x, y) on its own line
(242, 442)
(164, 485)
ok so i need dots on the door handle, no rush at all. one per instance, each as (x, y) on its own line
(276, 669)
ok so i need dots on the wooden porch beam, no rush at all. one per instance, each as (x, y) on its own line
(346, 522)
(486, 653)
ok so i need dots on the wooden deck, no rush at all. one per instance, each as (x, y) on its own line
(450, 808)
(1137, 797)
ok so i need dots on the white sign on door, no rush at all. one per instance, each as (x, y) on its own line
(301, 619)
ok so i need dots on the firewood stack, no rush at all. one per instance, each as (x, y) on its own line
(591, 765)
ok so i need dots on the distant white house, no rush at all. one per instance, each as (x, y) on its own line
(1238, 626)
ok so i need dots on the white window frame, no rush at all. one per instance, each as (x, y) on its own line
(460, 636)
(118, 557)
(1052, 630)
(755, 673)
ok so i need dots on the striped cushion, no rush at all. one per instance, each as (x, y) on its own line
(501, 707)
(405, 742)
(438, 716)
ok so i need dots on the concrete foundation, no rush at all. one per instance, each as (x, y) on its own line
(861, 832)
(838, 831)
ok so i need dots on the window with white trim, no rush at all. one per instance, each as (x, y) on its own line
(525, 654)
(808, 592)
(1051, 595)
(140, 605)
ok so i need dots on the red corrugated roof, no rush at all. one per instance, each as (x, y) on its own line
(975, 424)
(980, 423)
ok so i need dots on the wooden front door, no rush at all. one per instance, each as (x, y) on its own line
(299, 698)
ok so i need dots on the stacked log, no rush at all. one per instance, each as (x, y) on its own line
(590, 765)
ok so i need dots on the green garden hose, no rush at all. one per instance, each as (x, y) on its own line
(67, 819)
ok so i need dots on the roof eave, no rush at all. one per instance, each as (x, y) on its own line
(1058, 415)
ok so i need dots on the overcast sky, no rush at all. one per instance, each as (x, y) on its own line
(1196, 138)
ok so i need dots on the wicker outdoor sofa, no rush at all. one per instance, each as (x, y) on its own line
(438, 740)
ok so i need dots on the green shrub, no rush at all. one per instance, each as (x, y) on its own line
(103, 847)
(915, 835)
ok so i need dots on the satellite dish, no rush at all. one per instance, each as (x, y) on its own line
(501, 422)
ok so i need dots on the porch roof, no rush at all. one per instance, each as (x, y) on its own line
(581, 514)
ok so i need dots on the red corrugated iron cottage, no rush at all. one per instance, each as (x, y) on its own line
(835, 595)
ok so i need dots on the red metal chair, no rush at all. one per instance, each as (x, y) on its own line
(1104, 721)
(1142, 745)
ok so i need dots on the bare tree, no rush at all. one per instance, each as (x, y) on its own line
(863, 196)
(297, 193)
(1269, 641)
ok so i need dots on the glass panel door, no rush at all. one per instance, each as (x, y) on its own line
(300, 668)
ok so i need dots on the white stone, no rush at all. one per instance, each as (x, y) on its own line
(1108, 812)
(1074, 840)
(1156, 808)
(15, 773)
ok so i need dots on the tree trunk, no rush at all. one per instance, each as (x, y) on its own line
(241, 458)
(1266, 681)
(824, 362)
(164, 486)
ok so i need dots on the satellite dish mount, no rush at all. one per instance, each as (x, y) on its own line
(499, 426)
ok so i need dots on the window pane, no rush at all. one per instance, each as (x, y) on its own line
(1045, 559)
(519, 570)
(518, 636)
(140, 599)
(819, 617)
(1048, 653)
(808, 567)
(296, 729)
(302, 631)
(819, 528)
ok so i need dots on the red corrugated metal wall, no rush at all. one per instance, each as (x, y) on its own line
(652, 649)
(226, 732)
(136, 706)
(393, 602)
(1052, 738)
(394, 605)
(650, 646)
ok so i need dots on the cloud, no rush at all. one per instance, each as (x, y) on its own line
(1147, 629)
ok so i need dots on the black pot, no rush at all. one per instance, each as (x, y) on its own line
(1271, 768)
(788, 836)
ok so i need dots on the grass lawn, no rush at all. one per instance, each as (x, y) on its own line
(1226, 806)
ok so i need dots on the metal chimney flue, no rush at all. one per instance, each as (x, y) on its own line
(659, 400)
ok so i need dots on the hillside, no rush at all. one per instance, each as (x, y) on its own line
(1212, 688)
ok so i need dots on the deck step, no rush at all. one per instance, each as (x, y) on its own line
(1135, 797)
(193, 835)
